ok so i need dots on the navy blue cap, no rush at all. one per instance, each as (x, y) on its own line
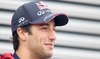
(36, 13)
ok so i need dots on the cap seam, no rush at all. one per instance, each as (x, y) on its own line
(26, 12)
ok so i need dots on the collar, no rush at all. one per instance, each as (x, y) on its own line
(15, 56)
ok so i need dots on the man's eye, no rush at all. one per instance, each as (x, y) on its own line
(44, 28)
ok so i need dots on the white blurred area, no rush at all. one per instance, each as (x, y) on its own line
(80, 39)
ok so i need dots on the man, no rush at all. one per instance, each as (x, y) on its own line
(33, 29)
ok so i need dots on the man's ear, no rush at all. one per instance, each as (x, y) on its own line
(21, 33)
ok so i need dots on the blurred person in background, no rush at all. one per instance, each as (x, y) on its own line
(33, 30)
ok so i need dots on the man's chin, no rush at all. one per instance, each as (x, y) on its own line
(48, 51)
(49, 54)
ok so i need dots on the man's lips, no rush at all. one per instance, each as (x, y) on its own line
(50, 45)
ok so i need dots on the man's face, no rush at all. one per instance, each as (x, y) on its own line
(41, 42)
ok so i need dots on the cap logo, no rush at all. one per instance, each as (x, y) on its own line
(45, 19)
(41, 12)
(21, 19)
(41, 5)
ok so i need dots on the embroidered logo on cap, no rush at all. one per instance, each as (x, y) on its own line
(21, 19)
(46, 18)
(41, 12)
(41, 5)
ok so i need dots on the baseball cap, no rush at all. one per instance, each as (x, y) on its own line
(36, 13)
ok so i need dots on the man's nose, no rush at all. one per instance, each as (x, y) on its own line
(52, 35)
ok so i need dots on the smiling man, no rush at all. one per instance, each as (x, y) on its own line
(33, 30)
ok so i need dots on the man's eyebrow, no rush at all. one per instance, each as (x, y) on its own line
(45, 24)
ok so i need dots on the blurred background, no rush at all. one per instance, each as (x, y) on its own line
(80, 39)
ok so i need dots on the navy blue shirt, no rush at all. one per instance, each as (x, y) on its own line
(15, 56)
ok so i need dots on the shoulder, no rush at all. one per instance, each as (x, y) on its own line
(6, 56)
